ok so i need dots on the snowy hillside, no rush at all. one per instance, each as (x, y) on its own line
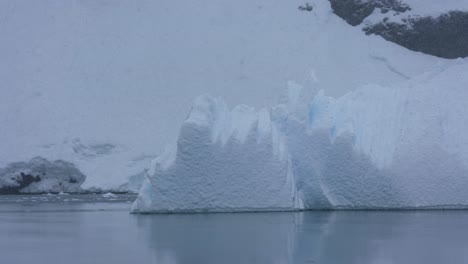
(104, 85)
(402, 146)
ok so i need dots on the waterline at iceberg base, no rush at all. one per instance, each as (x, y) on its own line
(378, 147)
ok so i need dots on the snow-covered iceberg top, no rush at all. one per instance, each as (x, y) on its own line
(376, 147)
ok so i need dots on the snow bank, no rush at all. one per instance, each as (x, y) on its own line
(376, 147)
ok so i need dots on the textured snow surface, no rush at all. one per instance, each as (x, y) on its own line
(403, 146)
(106, 84)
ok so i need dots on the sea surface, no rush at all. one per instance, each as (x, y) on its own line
(99, 229)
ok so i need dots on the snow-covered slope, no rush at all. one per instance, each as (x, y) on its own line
(105, 84)
(402, 146)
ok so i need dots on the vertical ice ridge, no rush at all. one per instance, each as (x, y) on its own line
(377, 147)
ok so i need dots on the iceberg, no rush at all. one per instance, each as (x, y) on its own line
(402, 146)
(222, 153)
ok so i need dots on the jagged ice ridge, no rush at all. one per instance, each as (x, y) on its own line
(402, 146)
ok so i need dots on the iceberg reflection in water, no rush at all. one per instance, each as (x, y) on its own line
(77, 229)
(309, 237)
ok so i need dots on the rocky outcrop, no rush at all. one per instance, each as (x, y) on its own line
(355, 11)
(444, 36)
(40, 175)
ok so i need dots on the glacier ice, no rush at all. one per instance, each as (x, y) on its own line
(223, 153)
(403, 146)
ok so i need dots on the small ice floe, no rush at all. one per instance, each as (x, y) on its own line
(63, 193)
(109, 195)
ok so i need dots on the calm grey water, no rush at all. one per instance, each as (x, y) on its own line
(93, 229)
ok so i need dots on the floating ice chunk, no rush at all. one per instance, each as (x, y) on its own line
(109, 195)
(378, 147)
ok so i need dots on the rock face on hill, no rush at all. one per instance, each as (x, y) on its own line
(355, 11)
(40, 175)
(440, 34)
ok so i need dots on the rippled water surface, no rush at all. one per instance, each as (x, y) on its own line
(97, 229)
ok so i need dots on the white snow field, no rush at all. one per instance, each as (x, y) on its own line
(403, 146)
(105, 85)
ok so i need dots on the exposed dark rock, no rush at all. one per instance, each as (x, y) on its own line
(445, 36)
(22, 180)
(306, 7)
(72, 180)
